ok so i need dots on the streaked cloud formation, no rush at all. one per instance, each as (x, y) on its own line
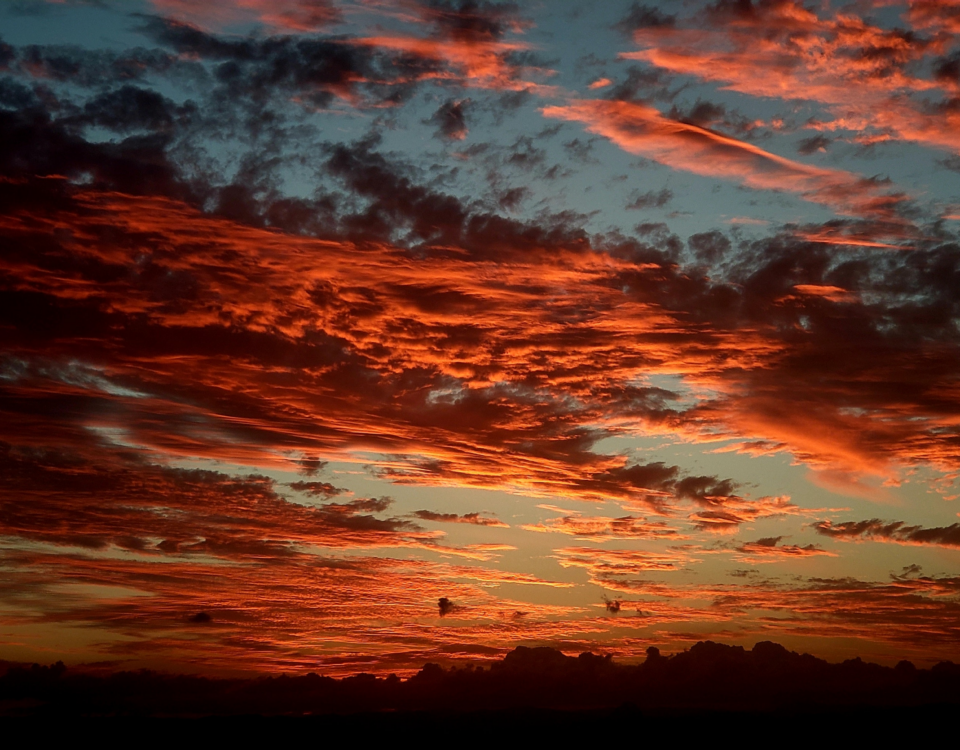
(315, 314)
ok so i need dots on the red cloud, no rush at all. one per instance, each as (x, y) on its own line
(463, 371)
(600, 528)
(478, 63)
(786, 51)
(284, 15)
(642, 130)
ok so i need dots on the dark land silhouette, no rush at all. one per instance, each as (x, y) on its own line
(709, 678)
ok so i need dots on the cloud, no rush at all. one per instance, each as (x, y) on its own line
(468, 47)
(642, 16)
(612, 605)
(651, 199)
(161, 511)
(317, 72)
(471, 518)
(600, 528)
(450, 119)
(769, 548)
(477, 351)
(283, 15)
(606, 565)
(890, 531)
(323, 489)
(934, 14)
(864, 73)
(725, 517)
(813, 144)
(643, 130)
(166, 305)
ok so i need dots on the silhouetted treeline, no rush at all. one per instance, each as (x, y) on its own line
(708, 677)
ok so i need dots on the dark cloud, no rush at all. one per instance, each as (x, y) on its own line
(650, 199)
(310, 466)
(132, 108)
(715, 117)
(7, 55)
(471, 20)
(580, 150)
(891, 531)
(948, 68)
(510, 199)
(709, 247)
(641, 16)
(323, 489)
(317, 70)
(450, 119)
(770, 547)
(470, 518)
(642, 84)
(208, 513)
(34, 144)
(524, 155)
(813, 144)
(15, 95)
(364, 505)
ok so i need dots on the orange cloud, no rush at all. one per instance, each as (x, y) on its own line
(479, 63)
(642, 130)
(832, 293)
(603, 564)
(785, 51)
(601, 528)
(463, 371)
(769, 549)
(471, 518)
(282, 15)
(934, 14)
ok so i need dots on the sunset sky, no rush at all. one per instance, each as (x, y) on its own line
(610, 324)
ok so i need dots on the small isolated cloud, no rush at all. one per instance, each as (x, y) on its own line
(310, 466)
(320, 489)
(651, 199)
(601, 528)
(471, 518)
(769, 549)
(451, 119)
(446, 606)
(813, 144)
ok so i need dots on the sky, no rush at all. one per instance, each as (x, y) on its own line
(347, 336)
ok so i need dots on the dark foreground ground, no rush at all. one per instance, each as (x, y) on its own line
(707, 691)
(626, 725)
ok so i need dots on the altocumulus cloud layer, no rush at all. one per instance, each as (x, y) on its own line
(314, 315)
